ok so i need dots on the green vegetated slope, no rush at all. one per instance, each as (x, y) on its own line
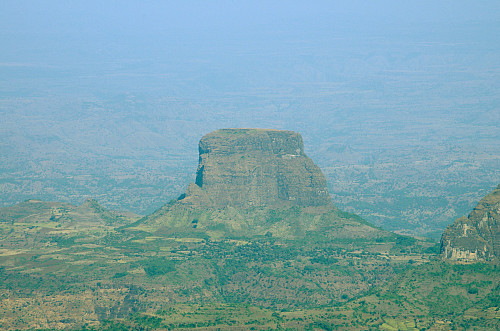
(57, 275)
(441, 295)
(108, 277)
(229, 222)
(433, 296)
(436, 295)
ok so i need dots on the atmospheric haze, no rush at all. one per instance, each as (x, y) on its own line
(398, 103)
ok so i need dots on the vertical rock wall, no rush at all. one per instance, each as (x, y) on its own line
(256, 168)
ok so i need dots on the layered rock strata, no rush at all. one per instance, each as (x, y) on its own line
(476, 237)
(246, 168)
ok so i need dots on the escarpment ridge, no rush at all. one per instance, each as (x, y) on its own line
(476, 237)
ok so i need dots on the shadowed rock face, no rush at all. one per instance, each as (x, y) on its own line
(476, 237)
(255, 168)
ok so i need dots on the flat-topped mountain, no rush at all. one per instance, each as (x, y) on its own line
(255, 182)
(476, 237)
(255, 167)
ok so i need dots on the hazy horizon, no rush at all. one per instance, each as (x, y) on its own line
(109, 99)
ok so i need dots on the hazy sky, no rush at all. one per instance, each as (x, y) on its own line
(125, 16)
(98, 82)
(26, 25)
(357, 56)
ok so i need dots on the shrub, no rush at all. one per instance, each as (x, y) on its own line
(158, 266)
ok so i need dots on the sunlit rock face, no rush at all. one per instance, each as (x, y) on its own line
(476, 237)
(256, 183)
(255, 168)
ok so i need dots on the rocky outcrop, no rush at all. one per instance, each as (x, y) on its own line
(476, 237)
(246, 168)
(255, 182)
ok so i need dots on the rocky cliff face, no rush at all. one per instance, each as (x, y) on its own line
(246, 168)
(476, 237)
(255, 182)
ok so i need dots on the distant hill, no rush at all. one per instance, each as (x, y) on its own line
(64, 213)
(35, 223)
